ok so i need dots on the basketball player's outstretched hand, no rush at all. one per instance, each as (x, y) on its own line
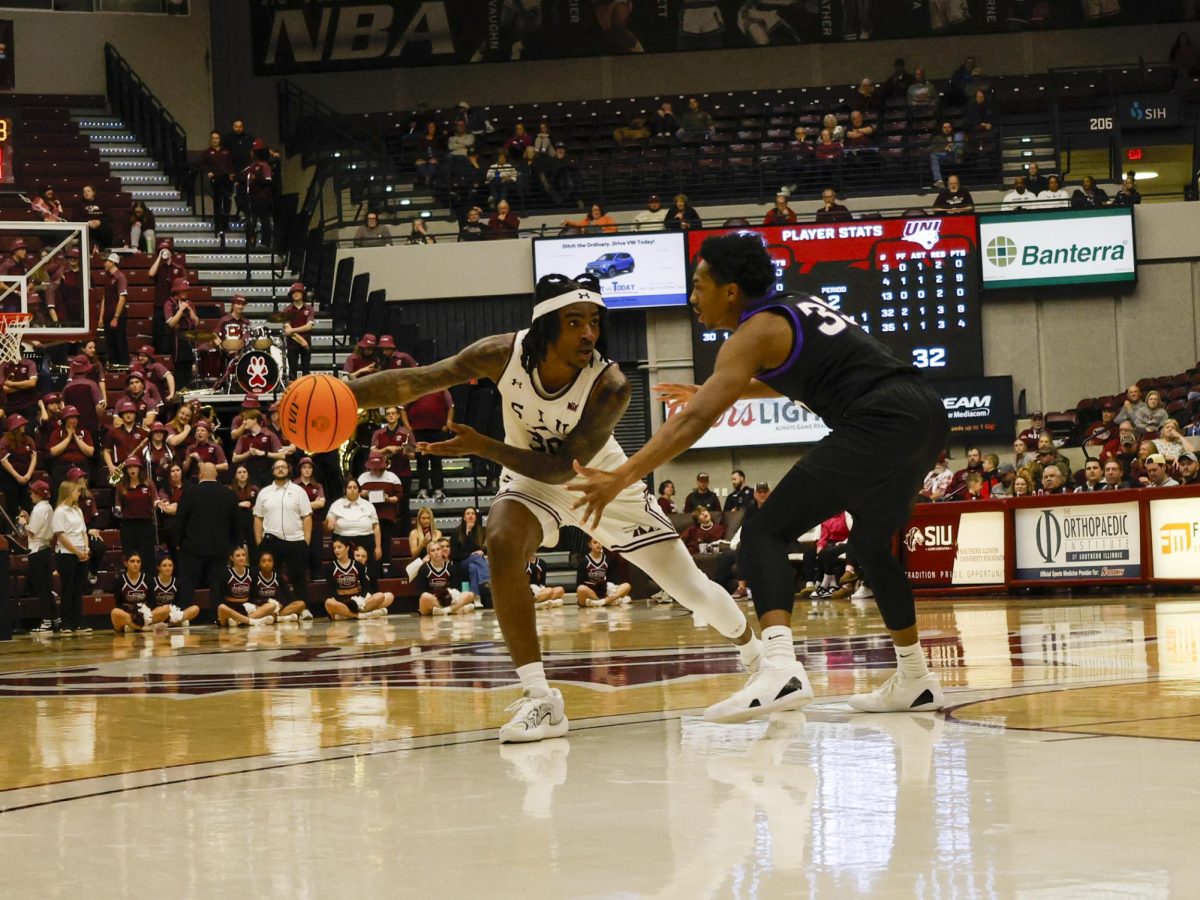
(676, 396)
(599, 488)
(466, 442)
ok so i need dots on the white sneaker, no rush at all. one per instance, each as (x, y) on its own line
(768, 690)
(863, 593)
(306, 616)
(265, 620)
(439, 610)
(556, 602)
(596, 602)
(231, 623)
(535, 719)
(290, 617)
(542, 604)
(900, 694)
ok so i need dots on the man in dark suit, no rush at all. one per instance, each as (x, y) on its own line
(207, 522)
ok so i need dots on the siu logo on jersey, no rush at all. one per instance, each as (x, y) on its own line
(926, 232)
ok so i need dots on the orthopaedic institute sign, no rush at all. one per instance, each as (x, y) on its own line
(1033, 248)
(1094, 541)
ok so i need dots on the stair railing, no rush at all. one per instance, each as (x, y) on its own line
(146, 117)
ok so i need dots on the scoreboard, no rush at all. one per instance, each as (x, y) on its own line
(6, 149)
(911, 283)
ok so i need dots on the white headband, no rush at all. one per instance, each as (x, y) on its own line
(556, 303)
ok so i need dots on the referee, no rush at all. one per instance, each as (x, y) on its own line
(283, 525)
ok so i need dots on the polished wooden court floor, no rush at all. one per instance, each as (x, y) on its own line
(359, 760)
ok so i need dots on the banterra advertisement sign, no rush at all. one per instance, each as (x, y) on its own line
(1031, 248)
(1095, 542)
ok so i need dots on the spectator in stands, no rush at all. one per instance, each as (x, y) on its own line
(865, 100)
(134, 498)
(595, 222)
(473, 227)
(830, 552)
(73, 552)
(386, 490)
(1089, 195)
(1020, 197)
(48, 206)
(1114, 476)
(837, 133)
(372, 233)
(474, 120)
(898, 83)
(418, 234)
(1053, 197)
(827, 156)
(1171, 443)
(1093, 477)
(831, 210)
(556, 175)
(518, 141)
(1049, 454)
(259, 180)
(741, 495)
(695, 122)
(1138, 476)
(923, 96)
(99, 227)
(860, 137)
(974, 488)
(664, 122)
(18, 460)
(460, 145)
(981, 123)
(428, 417)
(974, 464)
(650, 218)
(666, 495)
(467, 550)
(217, 164)
(682, 216)
(1133, 407)
(159, 454)
(20, 395)
(542, 142)
(1189, 469)
(1157, 473)
(1032, 434)
(424, 532)
(954, 200)
(1003, 487)
(1100, 433)
(141, 227)
(702, 496)
(702, 532)
(297, 330)
(429, 151)
(1152, 417)
(1035, 181)
(1183, 56)
(636, 131)
(937, 480)
(144, 397)
(1021, 486)
(1124, 447)
(595, 578)
(945, 149)
(504, 223)
(1054, 481)
(501, 177)
(1128, 195)
(960, 80)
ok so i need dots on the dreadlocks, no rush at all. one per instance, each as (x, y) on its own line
(544, 330)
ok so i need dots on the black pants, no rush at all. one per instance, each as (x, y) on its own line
(41, 575)
(70, 580)
(197, 572)
(291, 557)
(314, 549)
(116, 341)
(258, 216)
(429, 467)
(16, 495)
(299, 359)
(871, 465)
(138, 534)
(222, 194)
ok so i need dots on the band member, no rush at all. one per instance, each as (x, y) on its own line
(390, 357)
(135, 500)
(124, 439)
(352, 596)
(143, 396)
(233, 329)
(362, 361)
(246, 492)
(166, 269)
(134, 610)
(181, 316)
(20, 394)
(112, 311)
(70, 445)
(204, 449)
(168, 507)
(271, 588)
(238, 427)
(316, 499)
(181, 430)
(257, 448)
(164, 591)
(157, 376)
(49, 415)
(595, 587)
(14, 264)
(398, 447)
(85, 395)
(159, 454)
(18, 459)
(543, 597)
(64, 296)
(434, 582)
(386, 492)
(239, 607)
(298, 331)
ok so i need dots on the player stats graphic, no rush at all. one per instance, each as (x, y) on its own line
(911, 283)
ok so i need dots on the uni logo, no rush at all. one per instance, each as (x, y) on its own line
(1001, 252)
(926, 232)
(1179, 537)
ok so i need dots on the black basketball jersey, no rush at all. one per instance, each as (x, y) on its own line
(594, 573)
(436, 581)
(347, 580)
(163, 594)
(833, 362)
(536, 571)
(238, 587)
(272, 588)
(132, 593)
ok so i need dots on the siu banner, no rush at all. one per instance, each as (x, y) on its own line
(1094, 541)
(946, 545)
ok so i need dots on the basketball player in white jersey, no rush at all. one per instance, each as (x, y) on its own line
(561, 400)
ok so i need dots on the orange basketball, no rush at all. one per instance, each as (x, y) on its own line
(318, 413)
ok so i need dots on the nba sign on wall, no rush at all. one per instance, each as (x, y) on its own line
(950, 548)
(1175, 537)
(1094, 542)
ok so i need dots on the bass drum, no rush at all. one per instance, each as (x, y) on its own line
(257, 372)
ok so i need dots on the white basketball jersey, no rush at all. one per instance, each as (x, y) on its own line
(535, 419)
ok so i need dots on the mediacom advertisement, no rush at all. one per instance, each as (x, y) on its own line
(1095, 542)
(1032, 249)
(633, 270)
(1175, 538)
(761, 423)
(948, 547)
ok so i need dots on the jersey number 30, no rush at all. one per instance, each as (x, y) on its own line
(543, 444)
(832, 321)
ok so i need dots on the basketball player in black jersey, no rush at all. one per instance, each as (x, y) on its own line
(887, 426)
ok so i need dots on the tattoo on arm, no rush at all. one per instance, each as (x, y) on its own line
(485, 358)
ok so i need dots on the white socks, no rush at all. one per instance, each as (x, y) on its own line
(778, 649)
(533, 679)
(910, 661)
(751, 651)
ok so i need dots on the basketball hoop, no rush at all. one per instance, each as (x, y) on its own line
(12, 329)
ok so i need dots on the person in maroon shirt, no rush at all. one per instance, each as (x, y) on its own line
(217, 165)
(204, 449)
(95, 366)
(259, 181)
(246, 492)
(233, 328)
(316, 498)
(167, 268)
(180, 316)
(427, 418)
(168, 507)
(136, 497)
(397, 444)
(240, 422)
(362, 361)
(20, 387)
(84, 394)
(504, 223)
(157, 375)
(391, 358)
(49, 415)
(65, 292)
(159, 455)
(386, 492)
(703, 530)
(181, 430)
(780, 213)
(112, 311)
(257, 448)
(144, 396)
(1098, 434)
(70, 446)
(831, 210)
(1037, 424)
(18, 459)
(297, 329)
(123, 440)
(14, 264)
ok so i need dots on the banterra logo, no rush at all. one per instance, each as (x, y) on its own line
(1002, 252)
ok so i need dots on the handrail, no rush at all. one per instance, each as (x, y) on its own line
(146, 116)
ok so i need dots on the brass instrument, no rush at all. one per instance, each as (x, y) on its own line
(118, 473)
(349, 449)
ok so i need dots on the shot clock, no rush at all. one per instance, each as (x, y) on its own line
(911, 283)
(6, 149)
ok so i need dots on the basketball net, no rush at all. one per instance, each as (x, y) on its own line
(12, 329)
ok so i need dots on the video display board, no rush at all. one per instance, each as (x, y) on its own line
(635, 270)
